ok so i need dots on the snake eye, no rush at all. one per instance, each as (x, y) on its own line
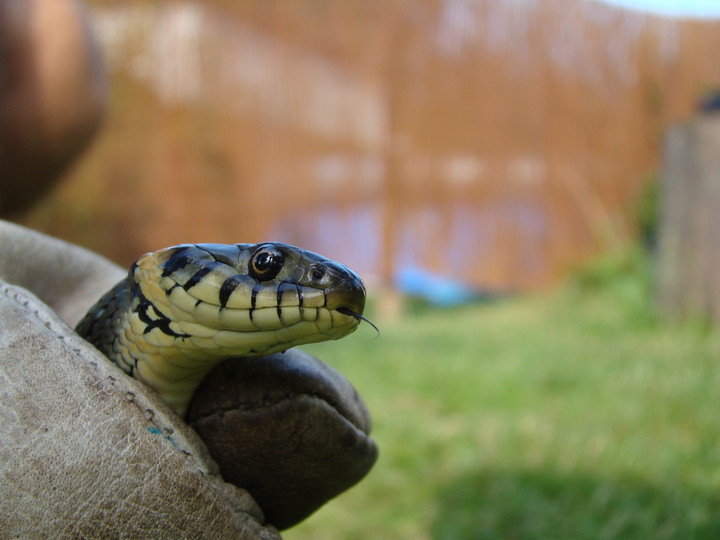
(265, 264)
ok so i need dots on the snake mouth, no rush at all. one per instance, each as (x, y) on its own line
(350, 313)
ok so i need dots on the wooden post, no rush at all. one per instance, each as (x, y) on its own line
(689, 235)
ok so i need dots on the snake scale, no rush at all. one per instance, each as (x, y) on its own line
(182, 310)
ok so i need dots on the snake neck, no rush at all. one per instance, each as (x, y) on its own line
(101, 323)
(139, 338)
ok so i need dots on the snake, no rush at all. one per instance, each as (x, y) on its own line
(182, 310)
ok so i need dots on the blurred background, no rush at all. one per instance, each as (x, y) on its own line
(498, 144)
(499, 156)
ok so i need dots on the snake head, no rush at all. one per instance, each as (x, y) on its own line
(184, 309)
(246, 299)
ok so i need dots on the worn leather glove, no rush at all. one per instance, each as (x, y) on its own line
(87, 451)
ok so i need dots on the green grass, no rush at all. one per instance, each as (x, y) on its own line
(578, 415)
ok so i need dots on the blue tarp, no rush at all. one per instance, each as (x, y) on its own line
(436, 289)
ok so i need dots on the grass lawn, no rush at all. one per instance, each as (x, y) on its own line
(577, 415)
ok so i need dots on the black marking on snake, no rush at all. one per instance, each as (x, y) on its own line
(253, 299)
(171, 289)
(162, 322)
(282, 287)
(227, 288)
(199, 275)
(301, 297)
(177, 260)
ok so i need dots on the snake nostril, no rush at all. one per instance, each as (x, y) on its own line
(317, 273)
(350, 296)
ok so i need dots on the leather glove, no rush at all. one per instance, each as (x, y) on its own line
(87, 451)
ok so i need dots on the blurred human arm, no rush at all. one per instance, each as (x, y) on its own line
(52, 95)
